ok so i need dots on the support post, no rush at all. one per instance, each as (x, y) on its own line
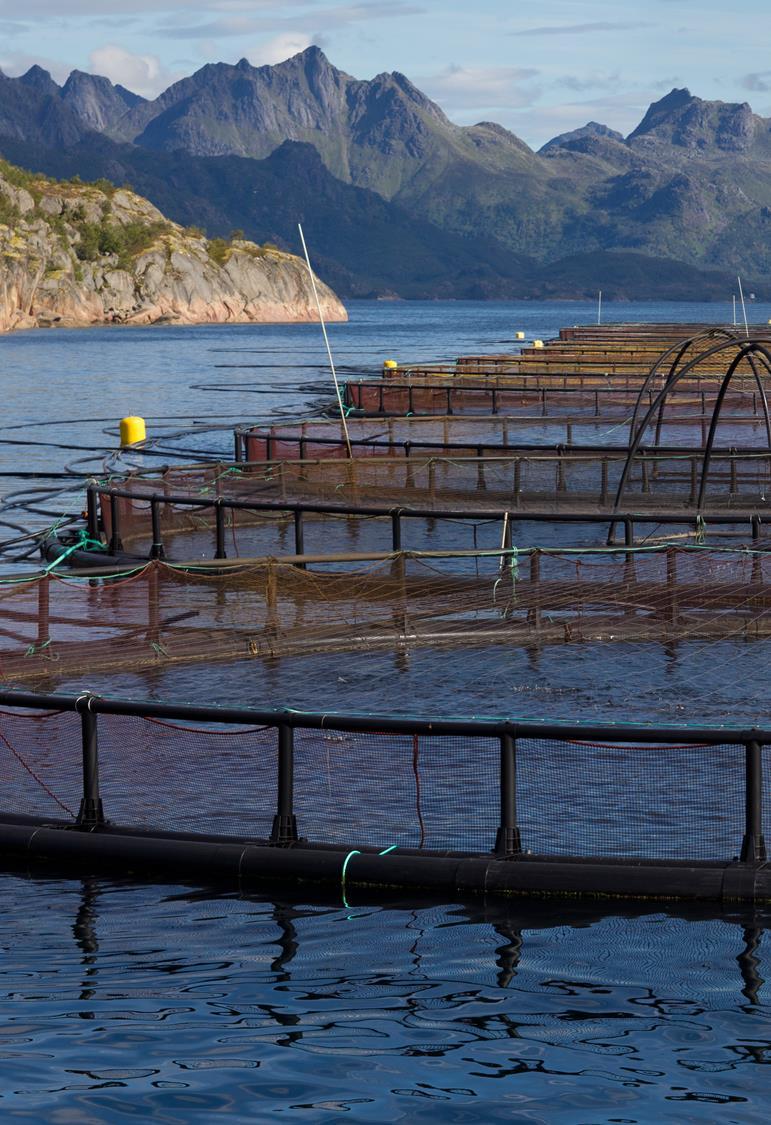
(156, 549)
(91, 812)
(116, 544)
(93, 511)
(507, 841)
(219, 517)
(753, 844)
(396, 531)
(299, 536)
(284, 831)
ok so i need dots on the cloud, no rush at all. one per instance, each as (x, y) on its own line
(580, 83)
(578, 28)
(279, 48)
(143, 74)
(759, 82)
(466, 88)
(337, 16)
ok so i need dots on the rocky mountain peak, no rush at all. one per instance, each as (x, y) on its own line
(40, 80)
(592, 129)
(95, 100)
(689, 122)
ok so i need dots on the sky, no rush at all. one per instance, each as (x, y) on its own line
(538, 68)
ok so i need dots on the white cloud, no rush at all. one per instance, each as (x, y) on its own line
(279, 48)
(143, 74)
(466, 88)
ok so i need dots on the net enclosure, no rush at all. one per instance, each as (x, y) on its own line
(56, 627)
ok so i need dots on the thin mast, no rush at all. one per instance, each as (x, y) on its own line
(326, 341)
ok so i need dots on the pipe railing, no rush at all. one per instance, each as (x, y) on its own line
(507, 843)
(499, 398)
(298, 510)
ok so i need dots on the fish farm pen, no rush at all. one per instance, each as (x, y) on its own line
(599, 493)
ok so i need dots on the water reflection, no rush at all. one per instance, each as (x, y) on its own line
(120, 999)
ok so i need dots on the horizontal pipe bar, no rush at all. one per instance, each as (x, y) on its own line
(522, 516)
(487, 728)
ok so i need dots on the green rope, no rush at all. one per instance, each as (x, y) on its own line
(84, 541)
(348, 859)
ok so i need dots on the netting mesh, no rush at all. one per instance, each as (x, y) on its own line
(548, 482)
(411, 790)
(58, 628)
(188, 778)
(655, 801)
(40, 763)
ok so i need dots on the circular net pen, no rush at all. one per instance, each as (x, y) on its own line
(58, 629)
(623, 355)
(546, 498)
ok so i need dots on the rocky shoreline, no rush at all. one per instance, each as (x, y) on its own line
(76, 255)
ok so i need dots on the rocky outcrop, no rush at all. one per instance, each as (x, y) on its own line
(75, 254)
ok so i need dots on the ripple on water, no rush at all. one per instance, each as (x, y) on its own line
(122, 1001)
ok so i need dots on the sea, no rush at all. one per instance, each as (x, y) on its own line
(123, 1000)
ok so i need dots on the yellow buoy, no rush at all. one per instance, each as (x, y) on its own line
(132, 430)
(537, 343)
(390, 365)
(520, 335)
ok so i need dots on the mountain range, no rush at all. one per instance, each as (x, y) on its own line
(398, 200)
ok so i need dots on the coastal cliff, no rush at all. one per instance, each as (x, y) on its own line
(75, 254)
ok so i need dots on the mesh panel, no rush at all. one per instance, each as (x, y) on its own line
(185, 778)
(40, 763)
(657, 802)
(415, 791)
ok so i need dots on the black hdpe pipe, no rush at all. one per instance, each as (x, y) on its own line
(29, 843)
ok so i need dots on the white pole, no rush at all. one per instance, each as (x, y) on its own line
(599, 307)
(744, 308)
(326, 341)
(733, 298)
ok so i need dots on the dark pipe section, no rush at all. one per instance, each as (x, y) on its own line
(206, 859)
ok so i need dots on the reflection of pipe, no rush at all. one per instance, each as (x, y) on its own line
(509, 955)
(84, 932)
(283, 916)
(748, 963)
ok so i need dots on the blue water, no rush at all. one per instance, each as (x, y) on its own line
(175, 1005)
(123, 1001)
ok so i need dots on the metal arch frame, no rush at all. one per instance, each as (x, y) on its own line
(678, 350)
(749, 350)
(757, 345)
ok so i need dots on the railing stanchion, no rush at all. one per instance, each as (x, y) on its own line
(116, 544)
(237, 447)
(156, 549)
(93, 511)
(219, 517)
(91, 812)
(396, 531)
(753, 844)
(507, 841)
(299, 536)
(284, 831)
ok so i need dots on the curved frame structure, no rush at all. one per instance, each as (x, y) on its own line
(751, 349)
